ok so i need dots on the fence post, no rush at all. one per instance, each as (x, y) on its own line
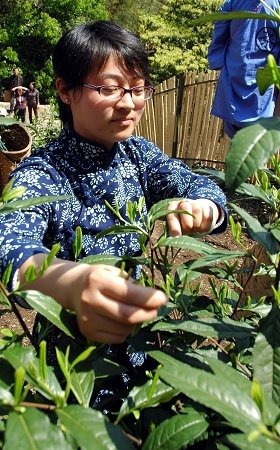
(179, 103)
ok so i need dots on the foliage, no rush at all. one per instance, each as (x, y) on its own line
(28, 32)
(29, 29)
(211, 375)
(202, 382)
(122, 11)
(47, 127)
(174, 46)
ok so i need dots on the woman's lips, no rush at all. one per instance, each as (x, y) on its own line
(124, 121)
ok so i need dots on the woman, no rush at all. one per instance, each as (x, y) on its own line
(32, 101)
(103, 82)
(20, 102)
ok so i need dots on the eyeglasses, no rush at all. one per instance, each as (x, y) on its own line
(111, 92)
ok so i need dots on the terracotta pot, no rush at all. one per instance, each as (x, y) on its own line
(18, 141)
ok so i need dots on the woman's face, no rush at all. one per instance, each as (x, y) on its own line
(102, 120)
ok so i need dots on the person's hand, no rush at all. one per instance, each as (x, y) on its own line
(108, 306)
(202, 218)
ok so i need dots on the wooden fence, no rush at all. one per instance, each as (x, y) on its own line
(178, 120)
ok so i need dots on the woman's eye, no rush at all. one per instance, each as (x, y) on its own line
(138, 90)
(109, 89)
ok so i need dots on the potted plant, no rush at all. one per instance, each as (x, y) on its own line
(15, 144)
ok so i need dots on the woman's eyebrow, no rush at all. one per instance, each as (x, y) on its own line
(119, 76)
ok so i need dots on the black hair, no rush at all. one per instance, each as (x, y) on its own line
(88, 46)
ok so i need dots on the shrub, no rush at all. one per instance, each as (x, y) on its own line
(203, 379)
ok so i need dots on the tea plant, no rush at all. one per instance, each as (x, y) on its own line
(205, 373)
(210, 364)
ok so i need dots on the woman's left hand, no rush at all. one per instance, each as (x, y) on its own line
(202, 217)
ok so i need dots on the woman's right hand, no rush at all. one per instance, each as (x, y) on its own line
(108, 306)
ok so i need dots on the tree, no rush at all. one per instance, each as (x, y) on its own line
(72, 12)
(30, 29)
(174, 45)
(128, 12)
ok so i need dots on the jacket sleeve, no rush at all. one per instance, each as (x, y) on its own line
(163, 177)
(220, 38)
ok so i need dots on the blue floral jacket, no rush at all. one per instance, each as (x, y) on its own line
(90, 174)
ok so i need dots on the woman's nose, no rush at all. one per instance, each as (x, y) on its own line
(127, 100)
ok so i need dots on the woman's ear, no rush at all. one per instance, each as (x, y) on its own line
(62, 90)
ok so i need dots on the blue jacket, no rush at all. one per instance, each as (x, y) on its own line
(90, 174)
(239, 48)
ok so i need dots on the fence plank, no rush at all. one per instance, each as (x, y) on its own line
(184, 121)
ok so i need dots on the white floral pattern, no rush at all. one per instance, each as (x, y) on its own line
(90, 174)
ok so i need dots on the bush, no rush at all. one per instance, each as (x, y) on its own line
(194, 376)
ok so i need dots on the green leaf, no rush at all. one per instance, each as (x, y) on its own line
(25, 357)
(82, 384)
(7, 208)
(159, 210)
(82, 356)
(218, 174)
(257, 232)
(6, 398)
(266, 354)
(230, 374)
(32, 430)
(215, 392)
(177, 432)
(6, 275)
(216, 328)
(190, 243)
(52, 310)
(91, 430)
(276, 233)
(32, 273)
(251, 148)
(138, 397)
(102, 259)
(217, 257)
(255, 191)
(267, 75)
(230, 16)
(241, 441)
(4, 301)
(7, 121)
(78, 242)
(118, 229)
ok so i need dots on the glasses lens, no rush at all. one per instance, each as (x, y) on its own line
(148, 93)
(116, 92)
(111, 91)
(142, 93)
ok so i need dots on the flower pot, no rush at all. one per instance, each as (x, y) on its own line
(18, 142)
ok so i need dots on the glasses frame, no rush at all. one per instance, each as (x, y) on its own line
(93, 87)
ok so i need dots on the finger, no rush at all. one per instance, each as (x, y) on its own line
(119, 311)
(187, 219)
(173, 221)
(209, 215)
(115, 287)
(103, 329)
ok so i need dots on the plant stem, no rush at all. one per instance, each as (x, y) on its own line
(18, 315)
(243, 368)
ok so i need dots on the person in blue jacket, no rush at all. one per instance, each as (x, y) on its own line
(103, 81)
(238, 48)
